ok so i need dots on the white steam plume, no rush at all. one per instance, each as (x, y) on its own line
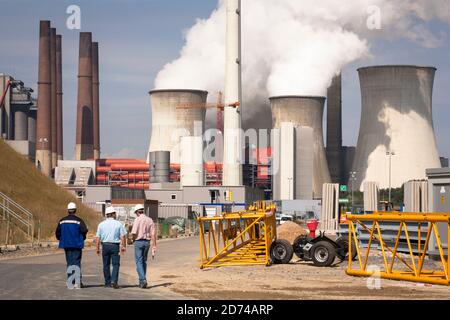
(294, 46)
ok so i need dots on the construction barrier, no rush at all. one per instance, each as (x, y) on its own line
(238, 238)
(410, 271)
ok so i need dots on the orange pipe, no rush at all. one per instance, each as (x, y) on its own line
(103, 169)
(129, 167)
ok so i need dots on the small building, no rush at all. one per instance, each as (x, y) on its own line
(439, 201)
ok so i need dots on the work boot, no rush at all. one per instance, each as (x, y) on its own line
(143, 285)
(115, 286)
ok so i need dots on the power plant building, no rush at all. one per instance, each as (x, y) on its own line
(305, 111)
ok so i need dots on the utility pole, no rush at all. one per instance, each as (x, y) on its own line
(352, 178)
(390, 154)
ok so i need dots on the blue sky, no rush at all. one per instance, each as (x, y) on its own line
(137, 37)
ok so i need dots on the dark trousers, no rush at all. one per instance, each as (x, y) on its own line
(110, 253)
(73, 258)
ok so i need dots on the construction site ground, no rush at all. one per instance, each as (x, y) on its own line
(175, 274)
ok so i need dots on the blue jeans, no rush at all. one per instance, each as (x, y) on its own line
(73, 258)
(110, 253)
(141, 248)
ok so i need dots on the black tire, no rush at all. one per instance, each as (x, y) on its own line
(342, 249)
(299, 242)
(281, 251)
(323, 254)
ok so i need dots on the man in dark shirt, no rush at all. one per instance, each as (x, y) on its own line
(71, 233)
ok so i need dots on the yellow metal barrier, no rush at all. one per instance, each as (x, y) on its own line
(238, 238)
(412, 271)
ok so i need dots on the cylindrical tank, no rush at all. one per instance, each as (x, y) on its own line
(162, 166)
(84, 133)
(191, 169)
(43, 123)
(175, 113)
(305, 111)
(21, 122)
(32, 113)
(151, 170)
(396, 132)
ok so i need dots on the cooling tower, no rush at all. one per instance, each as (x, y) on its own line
(95, 100)
(304, 111)
(84, 135)
(43, 123)
(59, 99)
(176, 113)
(396, 117)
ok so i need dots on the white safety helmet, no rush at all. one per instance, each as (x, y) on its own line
(138, 207)
(110, 210)
(71, 206)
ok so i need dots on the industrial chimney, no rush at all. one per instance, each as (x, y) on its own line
(54, 142)
(305, 111)
(176, 113)
(396, 140)
(334, 129)
(84, 139)
(232, 154)
(95, 100)
(59, 99)
(43, 125)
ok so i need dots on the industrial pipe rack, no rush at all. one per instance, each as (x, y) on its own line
(414, 270)
(238, 238)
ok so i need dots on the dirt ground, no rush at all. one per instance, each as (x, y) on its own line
(176, 270)
(297, 280)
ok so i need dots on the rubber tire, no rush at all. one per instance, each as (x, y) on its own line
(299, 255)
(286, 246)
(343, 241)
(331, 253)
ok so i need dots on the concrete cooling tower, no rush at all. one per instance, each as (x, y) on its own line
(176, 113)
(396, 133)
(304, 111)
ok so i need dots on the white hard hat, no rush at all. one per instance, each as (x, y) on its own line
(110, 210)
(71, 206)
(138, 207)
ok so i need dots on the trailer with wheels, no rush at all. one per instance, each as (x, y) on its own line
(321, 250)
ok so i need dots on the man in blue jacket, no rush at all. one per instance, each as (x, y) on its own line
(71, 233)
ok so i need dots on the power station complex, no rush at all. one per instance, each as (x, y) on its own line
(396, 142)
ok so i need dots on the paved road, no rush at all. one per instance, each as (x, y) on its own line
(43, 277)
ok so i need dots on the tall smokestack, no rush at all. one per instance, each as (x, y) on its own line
(96, 100)
(59, 97)
(84, 139)
(43, 130)
(334, 129)
(232, 154)
(54, 142)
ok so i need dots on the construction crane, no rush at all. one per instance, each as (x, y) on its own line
(9, 84)
(219, 105)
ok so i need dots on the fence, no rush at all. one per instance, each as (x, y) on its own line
(413, 270)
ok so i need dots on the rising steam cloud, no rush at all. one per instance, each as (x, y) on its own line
(294, 47)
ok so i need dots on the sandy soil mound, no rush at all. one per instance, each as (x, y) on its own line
(291, 230)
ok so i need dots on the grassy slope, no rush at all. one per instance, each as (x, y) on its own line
(20, 180)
